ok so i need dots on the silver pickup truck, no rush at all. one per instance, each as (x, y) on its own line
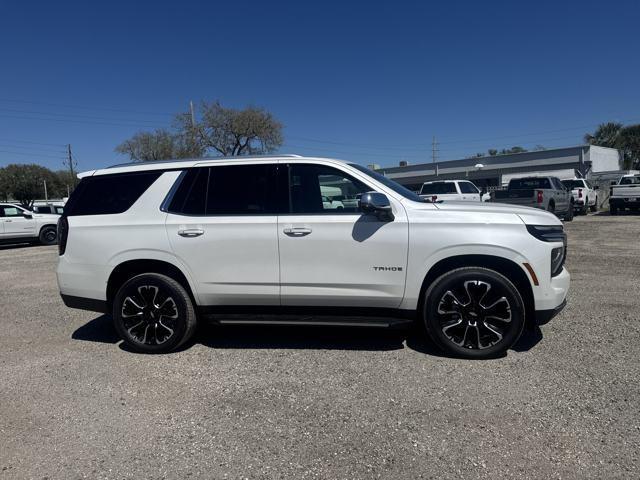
(546, 193)
(625, 194)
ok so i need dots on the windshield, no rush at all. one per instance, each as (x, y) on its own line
(571, 184)
(531, 182)
(387, 182)
(438, 188)
(629, 180)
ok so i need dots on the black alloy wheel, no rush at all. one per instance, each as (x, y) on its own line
(153, 313)
(474, 312)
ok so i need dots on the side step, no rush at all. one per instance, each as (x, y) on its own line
(316, 320)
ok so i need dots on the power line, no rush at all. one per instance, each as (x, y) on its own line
(32, 143)
(86, 107)
(29, 147)
(84, 122)
(31, 155)
(74, 115)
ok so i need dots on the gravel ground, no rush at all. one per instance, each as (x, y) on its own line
(248, 402)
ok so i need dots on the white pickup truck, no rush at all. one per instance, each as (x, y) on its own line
(625, 194)
(451, 190)
(17, 224)
(585, 195)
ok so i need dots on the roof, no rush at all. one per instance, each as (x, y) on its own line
(179, 164)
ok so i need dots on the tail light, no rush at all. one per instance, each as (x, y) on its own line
(579, 193)
(539, 198)
(63, 233)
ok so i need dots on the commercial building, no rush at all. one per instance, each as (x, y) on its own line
(586, 161)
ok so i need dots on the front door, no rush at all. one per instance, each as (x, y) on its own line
(222, 225)
(15, 223)
(330, 253)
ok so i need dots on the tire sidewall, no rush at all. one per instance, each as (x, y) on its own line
(456, 277)
(167, 285)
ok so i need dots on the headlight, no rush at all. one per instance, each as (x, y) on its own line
(552, 234)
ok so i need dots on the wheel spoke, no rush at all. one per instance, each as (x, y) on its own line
(494, 311)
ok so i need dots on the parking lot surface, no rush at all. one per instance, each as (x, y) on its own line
(274, 402)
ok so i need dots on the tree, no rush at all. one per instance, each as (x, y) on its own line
(219, 130)
(158, 145)
(232, 132)
(606, 135)
(25, 183)
(616, 135)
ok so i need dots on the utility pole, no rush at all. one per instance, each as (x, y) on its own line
(193, 116)
(70, 162)
(46, 195)
(434, 150)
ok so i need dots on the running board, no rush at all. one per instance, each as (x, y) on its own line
(380, 322)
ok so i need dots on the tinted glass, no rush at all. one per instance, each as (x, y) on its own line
(191, 196)
(468, 187)
(630, 180)
(320, 189)
(571, 184)
(438, 188)
(10, 211)
(533, 182)
(108, 194)
(242, 190)
(387, 182)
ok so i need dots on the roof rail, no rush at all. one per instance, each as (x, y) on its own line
(203, 159)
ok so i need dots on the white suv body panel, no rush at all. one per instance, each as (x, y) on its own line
(21, 228)
(247, 260)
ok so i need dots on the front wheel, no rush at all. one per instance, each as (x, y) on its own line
(474, 312)
(153, 313)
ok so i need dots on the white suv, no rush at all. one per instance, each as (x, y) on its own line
(162, 244)
(451, 190)
(17, 224)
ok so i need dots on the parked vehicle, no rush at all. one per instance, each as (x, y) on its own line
(585, 195)
(54, 208)
(162, 245)
(546, 193)
(625, 194)
(17, 224)
(331, 204)
(450, 190)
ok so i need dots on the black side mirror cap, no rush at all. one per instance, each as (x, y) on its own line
(376, 203)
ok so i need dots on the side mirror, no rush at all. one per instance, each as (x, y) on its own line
(27, 215)
(376, 203)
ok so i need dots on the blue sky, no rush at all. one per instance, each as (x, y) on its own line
(364, 81)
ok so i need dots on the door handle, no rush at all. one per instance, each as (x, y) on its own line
(8, 221)
(191, 232)
(297, 231)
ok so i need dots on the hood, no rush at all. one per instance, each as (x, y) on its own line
(529, 215)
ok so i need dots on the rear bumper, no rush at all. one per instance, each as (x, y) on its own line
(545, 316)
(624, 202)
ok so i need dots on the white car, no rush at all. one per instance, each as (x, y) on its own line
(17, 224)
(451, 190)
(55, 208)
(162, 245)
(585, 195)
(332, 204)
(625, 194)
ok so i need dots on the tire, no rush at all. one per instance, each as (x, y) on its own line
(163, 327)
(48, 235)
(594, 207)
(585, 209)
(458, 302)
(613, 210)
(551, 208)
(569, 216)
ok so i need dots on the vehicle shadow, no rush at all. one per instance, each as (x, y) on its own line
(12, 246)
(302, 337)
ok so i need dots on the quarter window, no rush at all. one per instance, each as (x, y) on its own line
(320, 189)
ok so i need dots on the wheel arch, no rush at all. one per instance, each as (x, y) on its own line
(130, 268)
(42, 227)
(510, 269)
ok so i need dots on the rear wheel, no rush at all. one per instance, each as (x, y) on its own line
(48, 235)
(569, 216)
(474, 312)
(585, 209)
(613, 210)
(153, 313)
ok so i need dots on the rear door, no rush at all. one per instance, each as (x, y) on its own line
(222, 224)
(336, 256)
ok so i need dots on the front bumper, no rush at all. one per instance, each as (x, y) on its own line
(545, 316)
